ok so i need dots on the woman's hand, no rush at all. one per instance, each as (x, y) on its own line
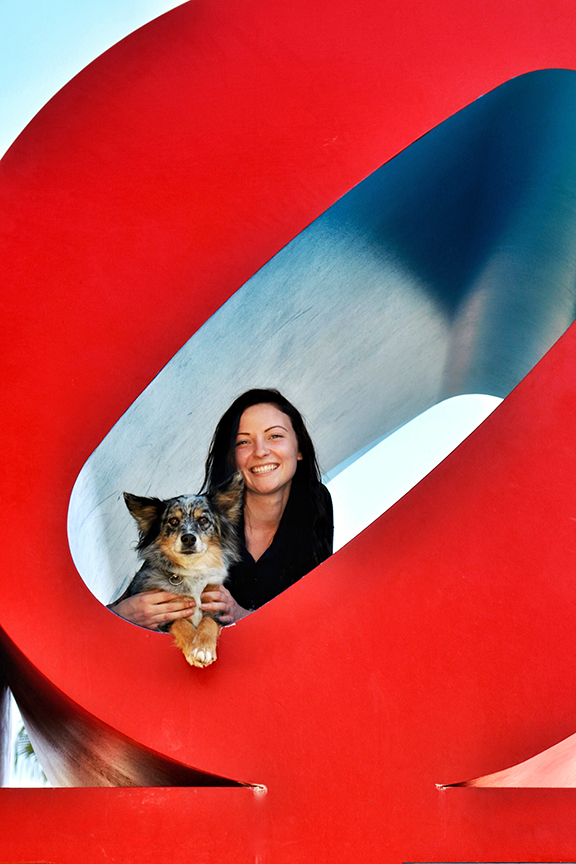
(153, 608)
(221, 602)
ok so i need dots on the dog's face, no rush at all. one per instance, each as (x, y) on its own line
(190, 526)
(187, 527)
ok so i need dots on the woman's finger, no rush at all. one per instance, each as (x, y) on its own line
(158, 598)
(213, 597)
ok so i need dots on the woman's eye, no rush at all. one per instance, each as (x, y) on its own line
(173, 521)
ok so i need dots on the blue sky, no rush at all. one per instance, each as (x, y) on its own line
(44, 43)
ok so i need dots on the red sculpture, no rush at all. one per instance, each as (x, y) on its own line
(444, 650)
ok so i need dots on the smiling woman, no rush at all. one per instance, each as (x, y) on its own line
(287, 526)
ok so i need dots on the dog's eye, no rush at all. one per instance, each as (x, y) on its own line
(204, 521)
(173, 521)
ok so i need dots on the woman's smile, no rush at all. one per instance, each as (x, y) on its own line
(263, 469)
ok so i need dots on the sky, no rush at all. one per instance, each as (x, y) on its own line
(43, 44)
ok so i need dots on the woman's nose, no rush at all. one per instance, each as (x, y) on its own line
(261, 447)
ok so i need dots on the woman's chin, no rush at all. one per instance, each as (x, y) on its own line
(266, 484)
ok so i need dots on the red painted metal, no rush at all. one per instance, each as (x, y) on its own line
(438, 645)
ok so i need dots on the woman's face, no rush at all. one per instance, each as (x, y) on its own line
(266, 451)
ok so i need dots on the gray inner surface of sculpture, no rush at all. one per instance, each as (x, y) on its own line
(450, 270)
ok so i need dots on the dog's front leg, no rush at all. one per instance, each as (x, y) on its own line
(204, 649)
(197, 644)
(184, 633)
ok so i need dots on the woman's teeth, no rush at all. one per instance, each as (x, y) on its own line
(263, 469)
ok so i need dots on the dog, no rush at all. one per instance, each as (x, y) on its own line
(187, 545)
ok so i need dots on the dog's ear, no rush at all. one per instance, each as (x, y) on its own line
(228, 497)
(144, 510)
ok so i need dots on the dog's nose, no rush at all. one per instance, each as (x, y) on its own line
(188, 540)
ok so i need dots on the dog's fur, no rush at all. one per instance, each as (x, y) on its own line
(187, 545)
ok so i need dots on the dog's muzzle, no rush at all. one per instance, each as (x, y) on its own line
(188, 542)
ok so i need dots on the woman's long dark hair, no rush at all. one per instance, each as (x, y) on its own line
(310, 505)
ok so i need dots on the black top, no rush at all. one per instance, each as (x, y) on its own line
(253, 583)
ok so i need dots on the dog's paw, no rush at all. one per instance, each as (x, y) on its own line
(200, 655)
(202, 650)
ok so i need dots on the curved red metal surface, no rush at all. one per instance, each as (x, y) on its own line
(438, 645)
